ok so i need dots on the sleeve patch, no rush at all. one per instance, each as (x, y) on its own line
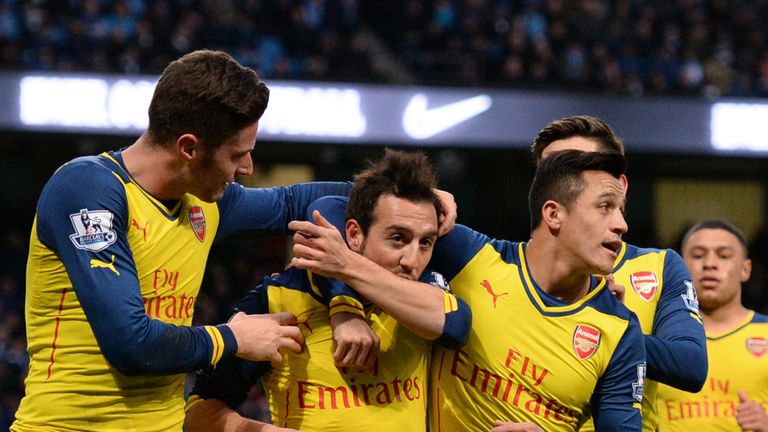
(93, 230)
(637, 386)
(690, 299)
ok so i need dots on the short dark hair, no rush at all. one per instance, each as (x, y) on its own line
(559, 177)
(717, 224)
(208, 94)
(581, 126)
(407, 175)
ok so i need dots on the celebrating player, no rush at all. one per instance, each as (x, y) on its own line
(654, 283)
(392, 219)
(736, 391)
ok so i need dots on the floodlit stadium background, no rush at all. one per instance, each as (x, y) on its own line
(684, 83)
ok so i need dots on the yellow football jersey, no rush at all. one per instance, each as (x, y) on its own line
(658, 289)
(738, 360)
(531, 358)
(307, 391)
(112, 278)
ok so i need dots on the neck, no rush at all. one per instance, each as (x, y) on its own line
(555, 273)
(725, 317)
(155, 168)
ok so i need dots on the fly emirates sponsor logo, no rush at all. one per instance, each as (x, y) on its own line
(168, 303)
(358, 393)
(721, 401)
(519, 388)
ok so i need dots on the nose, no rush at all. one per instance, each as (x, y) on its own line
(246, 167)
(710, 261)
(619, 225)
(410, 259)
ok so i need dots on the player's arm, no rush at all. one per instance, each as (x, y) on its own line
(269, 210)
(104, 277)
(420, 307)
(618, 395)
(676, 350)
(218, 391)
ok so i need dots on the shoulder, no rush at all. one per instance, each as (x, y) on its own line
(760, 318)
(605, 303)
(87, 172)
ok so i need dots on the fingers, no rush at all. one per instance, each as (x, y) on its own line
(743, 396)
(286, 318)
(447, 219)
(321, 220)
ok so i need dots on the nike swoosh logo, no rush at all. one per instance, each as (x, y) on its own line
(421, 122)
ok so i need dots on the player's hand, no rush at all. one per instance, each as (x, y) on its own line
(617, 290)
(751, 415)
(447, 219)
(357, 346)
(261, 337)
(319, 247)
(516, 427)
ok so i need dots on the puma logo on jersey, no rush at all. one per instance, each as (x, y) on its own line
(142, 229)
(107, 265)
(489, 288)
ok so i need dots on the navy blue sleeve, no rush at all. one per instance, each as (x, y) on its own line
(333, 208)
(676, 350)
(270, 209)
(619, 392)
(82, 217)
(454, 250)
(233, 378)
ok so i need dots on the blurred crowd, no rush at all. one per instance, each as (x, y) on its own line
(707, 48)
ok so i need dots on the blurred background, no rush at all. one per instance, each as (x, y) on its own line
(684, 83)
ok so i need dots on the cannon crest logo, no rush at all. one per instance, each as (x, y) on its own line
(586, 340)
(197, 221)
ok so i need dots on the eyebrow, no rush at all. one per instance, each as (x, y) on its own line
(395, 227)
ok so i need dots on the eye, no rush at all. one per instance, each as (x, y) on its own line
(397, 238)
(427, 243)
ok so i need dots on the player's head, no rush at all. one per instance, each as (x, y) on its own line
(206, 109)
(715, 252)
(392, 215)
(577, 199)
(582, 132)
(206, 94)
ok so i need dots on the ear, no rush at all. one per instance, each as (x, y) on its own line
(746, 270)
(552, 214)
(188, 146)
(355, 235)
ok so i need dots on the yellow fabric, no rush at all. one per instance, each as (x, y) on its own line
(738, 360)
(64, 354)
(308, 392)
(510, 370)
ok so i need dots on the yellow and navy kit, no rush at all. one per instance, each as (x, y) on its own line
(307, 391)
(530, 357)
(112, 278)
(658, 288)
(738, 360)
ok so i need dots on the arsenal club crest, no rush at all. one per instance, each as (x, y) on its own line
(645, 284)
(757, 346)
(586, 340)
(197, 221)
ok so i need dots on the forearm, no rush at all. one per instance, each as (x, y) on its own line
(418, 306)
(681, 363)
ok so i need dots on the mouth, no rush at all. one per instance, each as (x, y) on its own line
(708, 282)
(613, 246)
(407, 276)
